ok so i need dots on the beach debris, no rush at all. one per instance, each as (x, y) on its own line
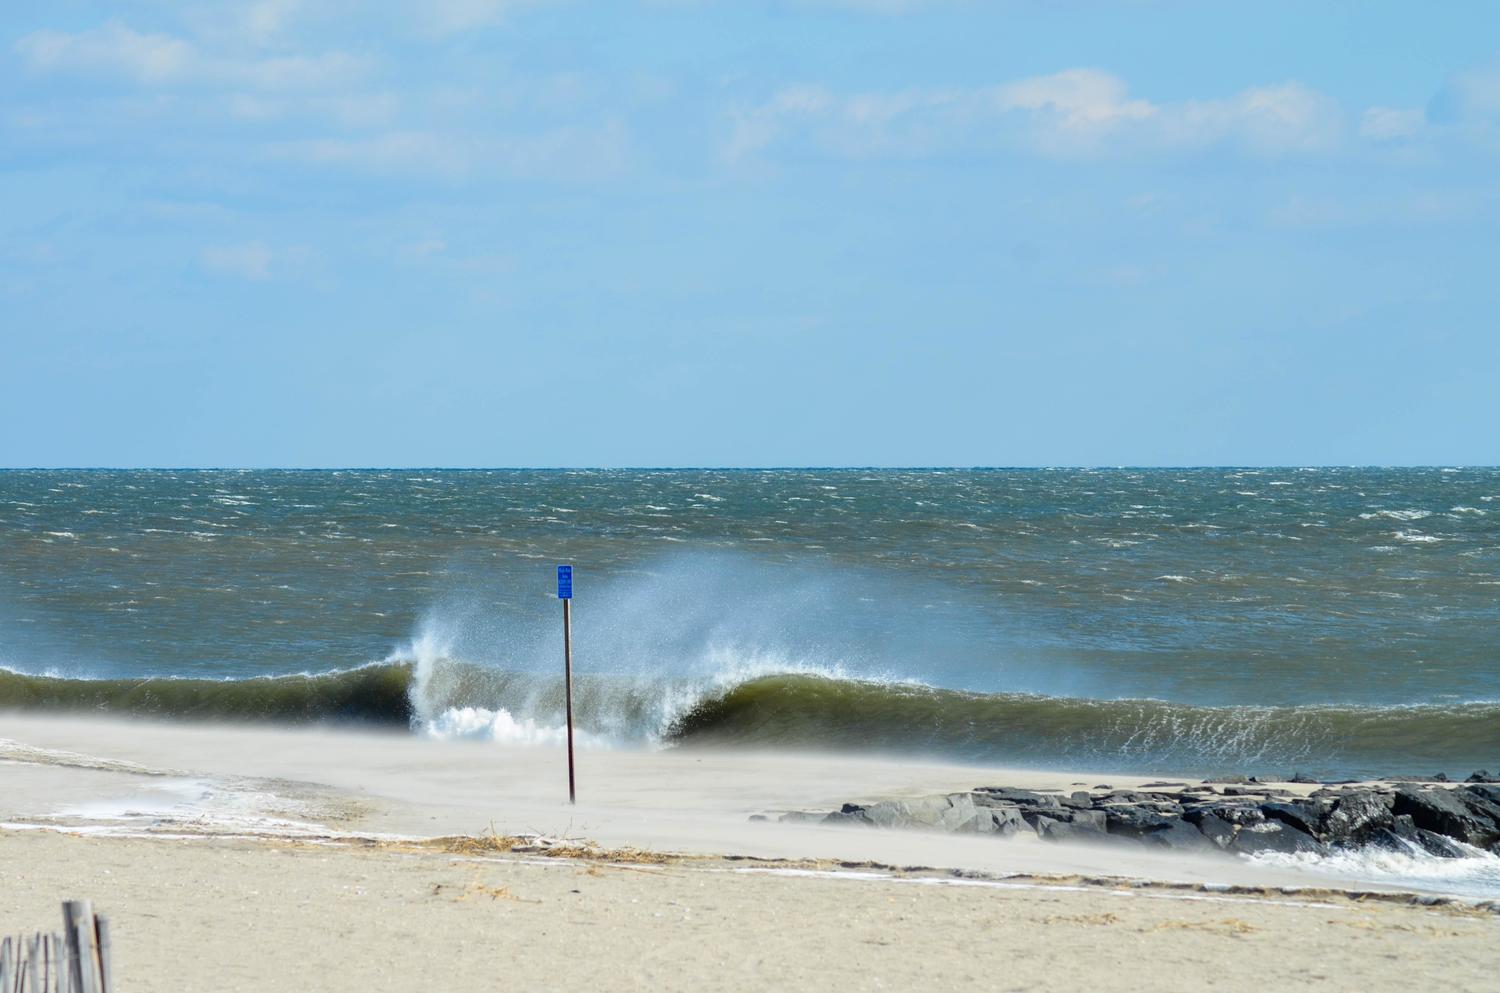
(1445, 820)
(77, 960)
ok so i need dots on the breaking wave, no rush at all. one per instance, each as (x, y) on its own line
(765, 703)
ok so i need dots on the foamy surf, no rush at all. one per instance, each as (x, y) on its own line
(1476, 874)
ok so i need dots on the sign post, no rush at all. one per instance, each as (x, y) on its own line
(565, 594)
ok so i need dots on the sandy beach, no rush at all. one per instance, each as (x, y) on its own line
(220, 850)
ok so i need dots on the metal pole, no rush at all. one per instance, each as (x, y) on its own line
(568, 688)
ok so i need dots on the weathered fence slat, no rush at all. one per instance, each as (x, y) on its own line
(33, 970)
(101, 942)
(77, 961)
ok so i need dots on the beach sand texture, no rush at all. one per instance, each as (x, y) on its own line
(235, 915)
(257, 858)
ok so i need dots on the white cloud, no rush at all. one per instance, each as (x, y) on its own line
(388, 152)
(251, 260)
(1272, 120)
(350, 110)
(1469, 97)
(265, 19)
(1079, 99)
(877, 6)
(160, 59)
(561, 153)
(444, 17)
(1391, 123)
(1074, 113)
(113, 48)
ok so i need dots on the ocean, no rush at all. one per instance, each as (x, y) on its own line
(1334, 622)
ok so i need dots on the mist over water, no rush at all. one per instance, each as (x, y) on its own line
(1332, 621)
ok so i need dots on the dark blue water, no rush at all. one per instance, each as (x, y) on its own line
(1338, 619)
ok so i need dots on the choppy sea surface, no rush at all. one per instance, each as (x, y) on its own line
(1336, 622)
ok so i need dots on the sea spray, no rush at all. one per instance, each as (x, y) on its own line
(1226, 619)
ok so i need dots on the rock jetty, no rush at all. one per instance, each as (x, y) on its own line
(1238, 817)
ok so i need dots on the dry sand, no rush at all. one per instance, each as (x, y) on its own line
(259, 859)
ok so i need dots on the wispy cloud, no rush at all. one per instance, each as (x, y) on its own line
(115, 49)
(1468, 97)
(561, 153)
(251, 260)
(1078, 112)
(444, 17)
(1391, 123)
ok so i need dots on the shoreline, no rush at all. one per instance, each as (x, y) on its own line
(417, 861)
(116, 776)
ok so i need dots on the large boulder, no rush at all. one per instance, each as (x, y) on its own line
(1355, 816)
(995, 796)
(1482, 799)
(1007, 820)
(1179, 835)
(1274, 836)
(1072, 829)
(1132, 820)
(1404, 837)
(1215, 829)
(956, 813)
(1304, 815)
(1446, 812)
(1087, 820)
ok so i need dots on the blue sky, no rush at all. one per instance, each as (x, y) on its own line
(808, 232)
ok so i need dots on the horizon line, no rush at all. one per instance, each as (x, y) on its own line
(1058, 467)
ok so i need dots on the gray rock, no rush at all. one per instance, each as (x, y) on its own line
(955, 813)
(961, 815)
(1239, 814)
(1132, 820)
(991, 796)
(1179, 835)
(1436, 844)
(1007, 820)
(1482, 799)
(1257, 791)
(1214, 829)
(1304, 815)
(1049, 829)
(1445, 812)
(1354, 816)
(1274, 836)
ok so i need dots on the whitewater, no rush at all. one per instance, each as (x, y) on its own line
(1335, 622)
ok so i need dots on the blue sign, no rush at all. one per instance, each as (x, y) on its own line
(565, 582)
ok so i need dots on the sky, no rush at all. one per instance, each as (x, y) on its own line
(698, 233)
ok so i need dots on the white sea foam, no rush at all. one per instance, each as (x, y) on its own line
(1416, 537)
(1478, 874)
(1396, 515)
(501, 726)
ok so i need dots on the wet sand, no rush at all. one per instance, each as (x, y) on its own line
(238, 858)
